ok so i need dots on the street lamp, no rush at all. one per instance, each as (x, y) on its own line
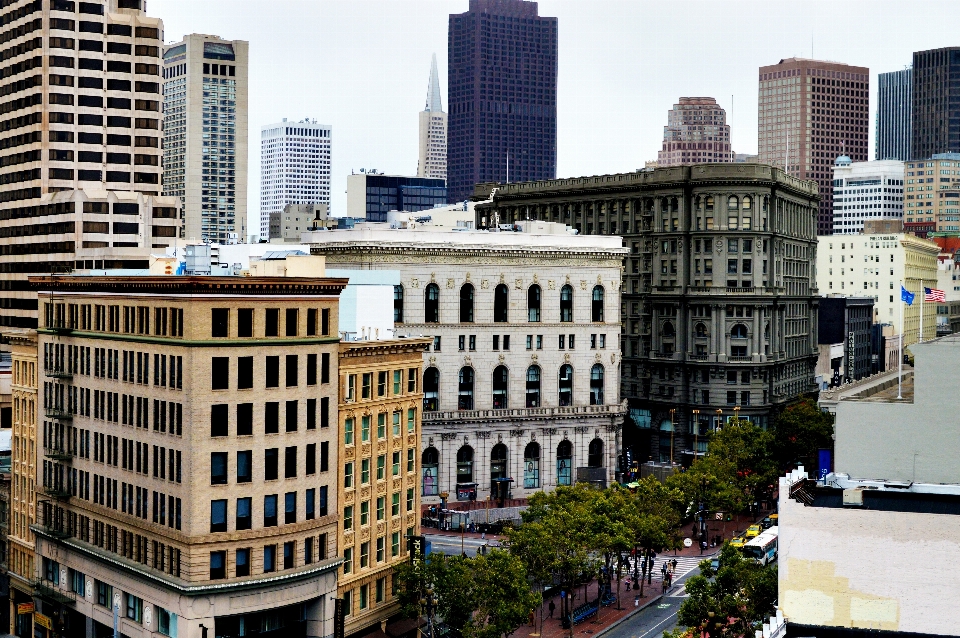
(696, 433)
(736, 413)
(672, 428)
(719, 416)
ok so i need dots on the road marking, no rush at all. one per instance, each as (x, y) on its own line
(658, 624)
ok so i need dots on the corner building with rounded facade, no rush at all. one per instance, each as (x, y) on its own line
(187, 456)
(719, 300)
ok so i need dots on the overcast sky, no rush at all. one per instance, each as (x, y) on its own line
(362, 66)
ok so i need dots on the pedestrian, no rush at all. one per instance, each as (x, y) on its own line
(533, 618)
(674, 565)
(552, 607)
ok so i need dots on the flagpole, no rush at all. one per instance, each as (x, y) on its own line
(923, 293)
(900, 362)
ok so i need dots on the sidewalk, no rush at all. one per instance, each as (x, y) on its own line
(630, 602)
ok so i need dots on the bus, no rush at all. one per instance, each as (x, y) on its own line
(763, 548)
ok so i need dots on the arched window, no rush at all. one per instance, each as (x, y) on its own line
(465, 464)
(465, 389)
(595, 453)
(431, 389)
(431, 304)
(398, 304)
(739, 331)
(501, 297)
(500, 380)
(668, 331)
(566, 303)
(733, 212)
(498, 462)
(466, 303)
(596, 385)
(747, 204)
(533, 387)
(533, 303)
(565, 394)
(597, 306)
(565, 463)
(531, 466)
(700, 330)
(430, 463)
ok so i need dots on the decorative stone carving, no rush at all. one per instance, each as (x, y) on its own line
(430, 440)
(502, 278)
(516, 433)
(598, 358)
(583, 284)
(433, 277)
(433, 360)
(536, 278)
(550, 431)
(551, 284)
(534, 357)
(581, 429)
(501, 359)
(566, 357)
(518, 284)
(451, 283)
(467, 276)
(484, 284)
(446, 436)
(482, 434)
(466, 440)
(414, 283)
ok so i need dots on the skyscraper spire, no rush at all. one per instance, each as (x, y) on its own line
(434, 102)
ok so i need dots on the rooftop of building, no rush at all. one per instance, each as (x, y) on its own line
(882, 387)
(657, 177)
(186, 285)
(810, 61)
(533, 236)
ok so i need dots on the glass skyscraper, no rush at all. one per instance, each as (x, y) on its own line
(894, 115)
(502, 79)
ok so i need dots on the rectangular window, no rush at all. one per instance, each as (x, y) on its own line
(322, 504)
(292, 419)
(312, 369)
(244, 419)
(382, 425)
(410, 460)
(311, 322)
(218, 468)
(324, 456)
(245, 322)
(396, 464)
(311, 414)
(219, 420)
(220, 373)
(243, 562)
(397, 418)
(381, 507)
(397, 382)
(348, 474)
(365, 428)
(366, 390)
(290, 462)
(244, 373)
(364, 516)
(310, 503)
(244, 518)
(273, 372)
(350, 392)
(244, 466)
(134, 605)
(218, 515)
(293, 366)
(324, 367)
(272, 328)
(381, 466)
(269, 558)
(347, 568)
(348, 432)
(311, 464)
(395, 504)
(290, 508)
(288, 553)
(292, 322)
(325, 321)
(220, 322)
(270, 464)
(271, 417)
(348, 518)
(270, 510)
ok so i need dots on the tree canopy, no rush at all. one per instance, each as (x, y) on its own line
(799, 432)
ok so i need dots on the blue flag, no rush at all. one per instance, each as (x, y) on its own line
(906, 296)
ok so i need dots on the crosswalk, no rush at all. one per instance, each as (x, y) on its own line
(685, 565)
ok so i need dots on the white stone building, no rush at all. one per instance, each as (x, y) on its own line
(865, 190)
(522, 381)
(294, 167)
(875, 266)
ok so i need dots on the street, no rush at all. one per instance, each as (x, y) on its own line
(658, 617)
(447, 544)
(649, 623)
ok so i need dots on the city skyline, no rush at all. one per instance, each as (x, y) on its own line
(365, 59)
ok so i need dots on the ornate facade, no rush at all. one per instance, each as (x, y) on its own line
(719, 295)
(521, 381)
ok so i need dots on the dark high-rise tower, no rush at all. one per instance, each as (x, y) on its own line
(502, 96)
(936, 102)
(894, 115)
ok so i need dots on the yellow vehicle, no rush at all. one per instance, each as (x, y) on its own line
(738, 542)
(775, 519)
(753, 531)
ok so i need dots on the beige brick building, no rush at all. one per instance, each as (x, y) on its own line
(379, 499)
(187, 454)
(23, 473)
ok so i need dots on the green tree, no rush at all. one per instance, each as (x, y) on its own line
(449, 577)
(730, 601)
(737, 469)
(554, 540)
(799, 432)
(501, 595)
(659, 509)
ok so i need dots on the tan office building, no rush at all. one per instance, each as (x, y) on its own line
(187, 455)
(205, 135)
(81, 179)
(380, 401)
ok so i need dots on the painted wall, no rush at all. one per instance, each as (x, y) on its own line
(868, 569)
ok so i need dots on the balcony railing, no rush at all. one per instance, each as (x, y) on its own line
(48, 590)
(525, 413)
(747, 359)
(58, 373)
(58, 413)
(57, 491)
(58, 453)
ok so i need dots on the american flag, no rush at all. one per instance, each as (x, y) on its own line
(932, 294)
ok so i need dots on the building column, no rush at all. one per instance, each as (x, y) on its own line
(319, 623)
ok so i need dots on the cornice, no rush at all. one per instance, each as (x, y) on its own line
(182, 285)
